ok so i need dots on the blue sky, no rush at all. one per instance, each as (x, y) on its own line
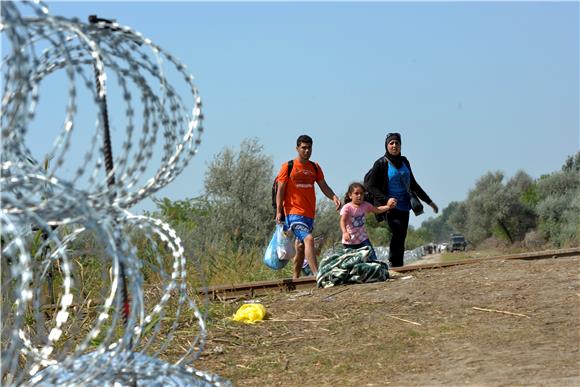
(471, 86)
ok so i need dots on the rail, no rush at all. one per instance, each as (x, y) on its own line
(253, 289)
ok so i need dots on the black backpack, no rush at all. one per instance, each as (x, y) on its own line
(275, 185)
(369, 197)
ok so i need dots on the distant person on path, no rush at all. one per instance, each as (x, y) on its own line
(352, 218)
(296, 201)
(390, 177)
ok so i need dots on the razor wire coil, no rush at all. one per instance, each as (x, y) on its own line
(48, 214)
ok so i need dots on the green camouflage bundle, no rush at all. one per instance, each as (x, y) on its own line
(350, 266)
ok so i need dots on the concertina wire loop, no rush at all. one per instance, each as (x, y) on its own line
(58, 225)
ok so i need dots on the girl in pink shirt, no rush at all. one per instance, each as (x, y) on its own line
(352, 218)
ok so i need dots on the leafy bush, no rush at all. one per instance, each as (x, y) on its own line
(559, 208)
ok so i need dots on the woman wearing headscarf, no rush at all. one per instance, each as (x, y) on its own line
(391, 177)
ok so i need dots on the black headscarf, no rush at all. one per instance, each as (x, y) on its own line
(397, 161)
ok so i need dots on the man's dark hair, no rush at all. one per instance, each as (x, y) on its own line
(304, 139)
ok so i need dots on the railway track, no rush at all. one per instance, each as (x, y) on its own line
(253, 289)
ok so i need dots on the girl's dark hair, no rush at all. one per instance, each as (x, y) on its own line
(350, 190)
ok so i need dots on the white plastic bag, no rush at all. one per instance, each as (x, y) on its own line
(280, 250)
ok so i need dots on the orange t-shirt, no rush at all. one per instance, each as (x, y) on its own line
(299, 196)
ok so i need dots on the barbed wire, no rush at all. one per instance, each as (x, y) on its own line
(63, 235)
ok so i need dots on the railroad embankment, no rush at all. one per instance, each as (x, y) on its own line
(488, 323)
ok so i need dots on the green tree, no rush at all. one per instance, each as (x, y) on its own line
(558, 206)
(417, 237)
(326, 224)
(379, 232)
(572, 163)
(238, 189)
(493, 208)
(188, 212)
(521, 215)
(226, 230)
(550, 205)
(458, 219)
(440, 228)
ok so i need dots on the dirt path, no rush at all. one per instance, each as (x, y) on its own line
(497, 323)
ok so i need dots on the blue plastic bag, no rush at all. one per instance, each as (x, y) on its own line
(280, 250)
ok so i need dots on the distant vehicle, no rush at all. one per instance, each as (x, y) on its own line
(443, 247)
(457, 243)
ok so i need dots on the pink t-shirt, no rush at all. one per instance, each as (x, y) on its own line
(355, 222)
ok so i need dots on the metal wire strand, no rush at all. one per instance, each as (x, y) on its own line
(78, 303)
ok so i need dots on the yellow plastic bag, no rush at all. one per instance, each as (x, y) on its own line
(250, 313)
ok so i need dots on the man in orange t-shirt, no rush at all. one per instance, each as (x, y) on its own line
(296, 201)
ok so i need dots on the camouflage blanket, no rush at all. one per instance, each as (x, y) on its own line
(350, 266)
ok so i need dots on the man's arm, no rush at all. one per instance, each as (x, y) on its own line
(329, 193)
(280, 201)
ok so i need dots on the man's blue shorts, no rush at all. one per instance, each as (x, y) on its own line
(300, 225)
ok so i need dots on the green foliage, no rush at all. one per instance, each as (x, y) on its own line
(226, 231)
(512, 210)
(379, 232)
(458, 218)
(520, 217)
(485, 203)
(327, 222)
(238, 188)
(439, 228)
(228, 266)
(417, 238)
(572, 164)
(495, 208)
(530, 196)
(184, 212)
(558, 208)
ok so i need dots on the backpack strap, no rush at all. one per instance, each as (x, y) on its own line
(314, 165)
(291, 165)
